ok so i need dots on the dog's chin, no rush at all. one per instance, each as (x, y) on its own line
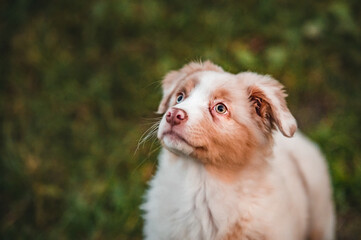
(176, 144)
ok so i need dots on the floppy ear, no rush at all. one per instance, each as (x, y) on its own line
(169, 83)
(267, 97)
(173, 78)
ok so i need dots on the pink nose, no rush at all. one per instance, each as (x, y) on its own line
(176, 116)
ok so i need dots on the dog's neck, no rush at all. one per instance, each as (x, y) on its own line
(226, 174)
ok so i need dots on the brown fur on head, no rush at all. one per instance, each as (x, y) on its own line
(173, 78)
(254, 105)
(268, 98)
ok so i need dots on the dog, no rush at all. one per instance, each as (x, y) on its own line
(225, 172)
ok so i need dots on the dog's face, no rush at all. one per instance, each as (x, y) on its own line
(221, 118)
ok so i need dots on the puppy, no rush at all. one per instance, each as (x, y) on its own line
(224, 173)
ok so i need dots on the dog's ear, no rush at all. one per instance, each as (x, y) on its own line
(173, 78)
(169, 83)
(267, 98)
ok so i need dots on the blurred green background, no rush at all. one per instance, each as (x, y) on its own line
(79, 82)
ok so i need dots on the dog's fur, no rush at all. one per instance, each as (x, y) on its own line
(228, 175)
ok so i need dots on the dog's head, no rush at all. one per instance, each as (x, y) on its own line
(221, 118)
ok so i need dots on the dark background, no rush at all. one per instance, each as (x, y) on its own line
(79, 82)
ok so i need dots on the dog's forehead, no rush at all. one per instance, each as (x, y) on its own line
(210, 80)
(210, 83)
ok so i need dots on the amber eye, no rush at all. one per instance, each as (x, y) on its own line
(220, 108)
(180, 97)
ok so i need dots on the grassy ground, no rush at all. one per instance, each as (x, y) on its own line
(80, 79)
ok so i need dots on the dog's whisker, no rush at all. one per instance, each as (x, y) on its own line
(156, 83)
(147, 158)
(149, 131)
(152, 144)
(148, 134)
(155, 160)
(154, 150)
(150, 121)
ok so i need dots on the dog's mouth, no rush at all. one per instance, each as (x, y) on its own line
(176, 137)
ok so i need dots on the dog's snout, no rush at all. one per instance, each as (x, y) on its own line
(176, 116)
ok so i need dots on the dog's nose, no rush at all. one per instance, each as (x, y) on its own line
(176, 116)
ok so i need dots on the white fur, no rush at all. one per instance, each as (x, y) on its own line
(185, 201)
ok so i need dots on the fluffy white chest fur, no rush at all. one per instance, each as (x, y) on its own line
(224, 175)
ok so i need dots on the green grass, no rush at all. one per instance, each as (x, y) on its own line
(80, 81)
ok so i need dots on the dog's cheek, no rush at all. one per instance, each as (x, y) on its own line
(234, 147)
(229, 145)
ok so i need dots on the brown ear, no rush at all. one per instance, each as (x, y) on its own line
(169, 83)
(173, 78)
(268, 102)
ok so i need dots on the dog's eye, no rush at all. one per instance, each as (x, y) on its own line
(220, 108)
(180, 97)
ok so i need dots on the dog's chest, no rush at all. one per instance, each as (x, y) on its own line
(186, 203)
